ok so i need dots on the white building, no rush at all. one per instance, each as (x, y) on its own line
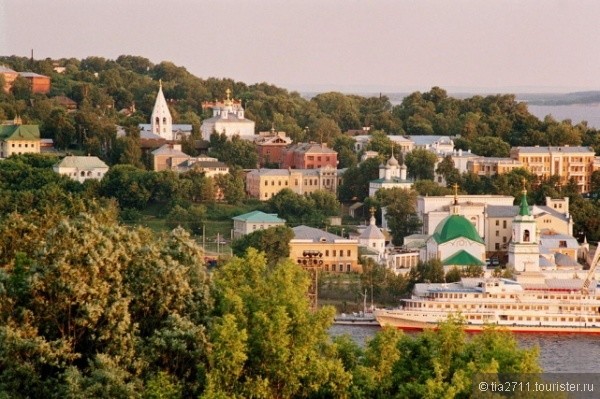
(432, 210)
(524, 250)
(455, 242)
(81, 168)
(373, 238)
(228, 117)
(391, 175)
(253, 221)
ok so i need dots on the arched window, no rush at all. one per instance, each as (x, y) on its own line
(526, 236)
(157, 120)
(164, 119)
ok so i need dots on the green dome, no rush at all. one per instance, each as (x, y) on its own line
(455, 226)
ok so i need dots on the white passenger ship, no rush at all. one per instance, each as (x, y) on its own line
(536, 304)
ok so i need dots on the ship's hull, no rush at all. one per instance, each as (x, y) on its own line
(394, 319)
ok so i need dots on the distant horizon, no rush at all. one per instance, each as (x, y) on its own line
(496, 46)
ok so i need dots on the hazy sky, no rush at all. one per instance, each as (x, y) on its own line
(379, 45)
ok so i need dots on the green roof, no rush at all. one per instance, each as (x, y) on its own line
(455, 226)
(19, 132)
(462, 258)
(258, 216)
(524, 207)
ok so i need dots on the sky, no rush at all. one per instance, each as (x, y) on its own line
(316, 45)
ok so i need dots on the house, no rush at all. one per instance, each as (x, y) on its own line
(66, 103)
(339, 255)
(211, 167)
(19, 139)
(228, 118)
(80, 168)
(168, 157)
(309, 156)
(438, 144)
(253, 221)
(270, 147)
(263, 184)
(40, 84)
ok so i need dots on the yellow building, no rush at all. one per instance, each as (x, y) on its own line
(263, 184)
(490, 166)
(566, 162)
(19, 139)
(339, 254)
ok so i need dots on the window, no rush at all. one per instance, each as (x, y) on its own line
(497, 223)
(326, 252)
(526, 236)
(497, 233)
(348, 252)
(334, 252)
(348, 266)
(562, 244)
(504, 223)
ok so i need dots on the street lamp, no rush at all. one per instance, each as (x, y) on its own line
(311, 262)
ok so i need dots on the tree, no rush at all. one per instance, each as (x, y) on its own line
(447, 169)
(274, 242)
(60, 127)
(127, 184)
(355, 181)
(295, 208)
(487, 146)
(266, 341)
(344, 145)
(400, 212)
(93, 307)
(420, 164)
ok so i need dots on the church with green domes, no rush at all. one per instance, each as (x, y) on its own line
(455, 242)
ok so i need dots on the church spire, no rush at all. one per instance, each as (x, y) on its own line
(524, 207)
(162, 122)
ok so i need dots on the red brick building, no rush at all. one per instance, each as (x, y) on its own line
(309, 156)
(270, 148)
(39, 83)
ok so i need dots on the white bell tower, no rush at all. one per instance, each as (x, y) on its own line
(524, 250)
(161, 121)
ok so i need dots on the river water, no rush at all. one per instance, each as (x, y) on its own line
(575, 112)
(560, 353)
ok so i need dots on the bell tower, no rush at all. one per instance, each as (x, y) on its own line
(524, 250)
(161, 121)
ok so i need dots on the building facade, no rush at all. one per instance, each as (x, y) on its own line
(339, 255)
(254, 221)
(19, 139)
(309, 156)
(270, 147)
(263, 184)
(81, 168)
(227, 118)
(566, 162)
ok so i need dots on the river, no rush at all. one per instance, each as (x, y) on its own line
(575, 112)
(561, 353)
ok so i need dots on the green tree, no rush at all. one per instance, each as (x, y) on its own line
(401, 214)
(420, 164)
(447, 169)
(487, 146)
(274, 242)
(266, 341)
